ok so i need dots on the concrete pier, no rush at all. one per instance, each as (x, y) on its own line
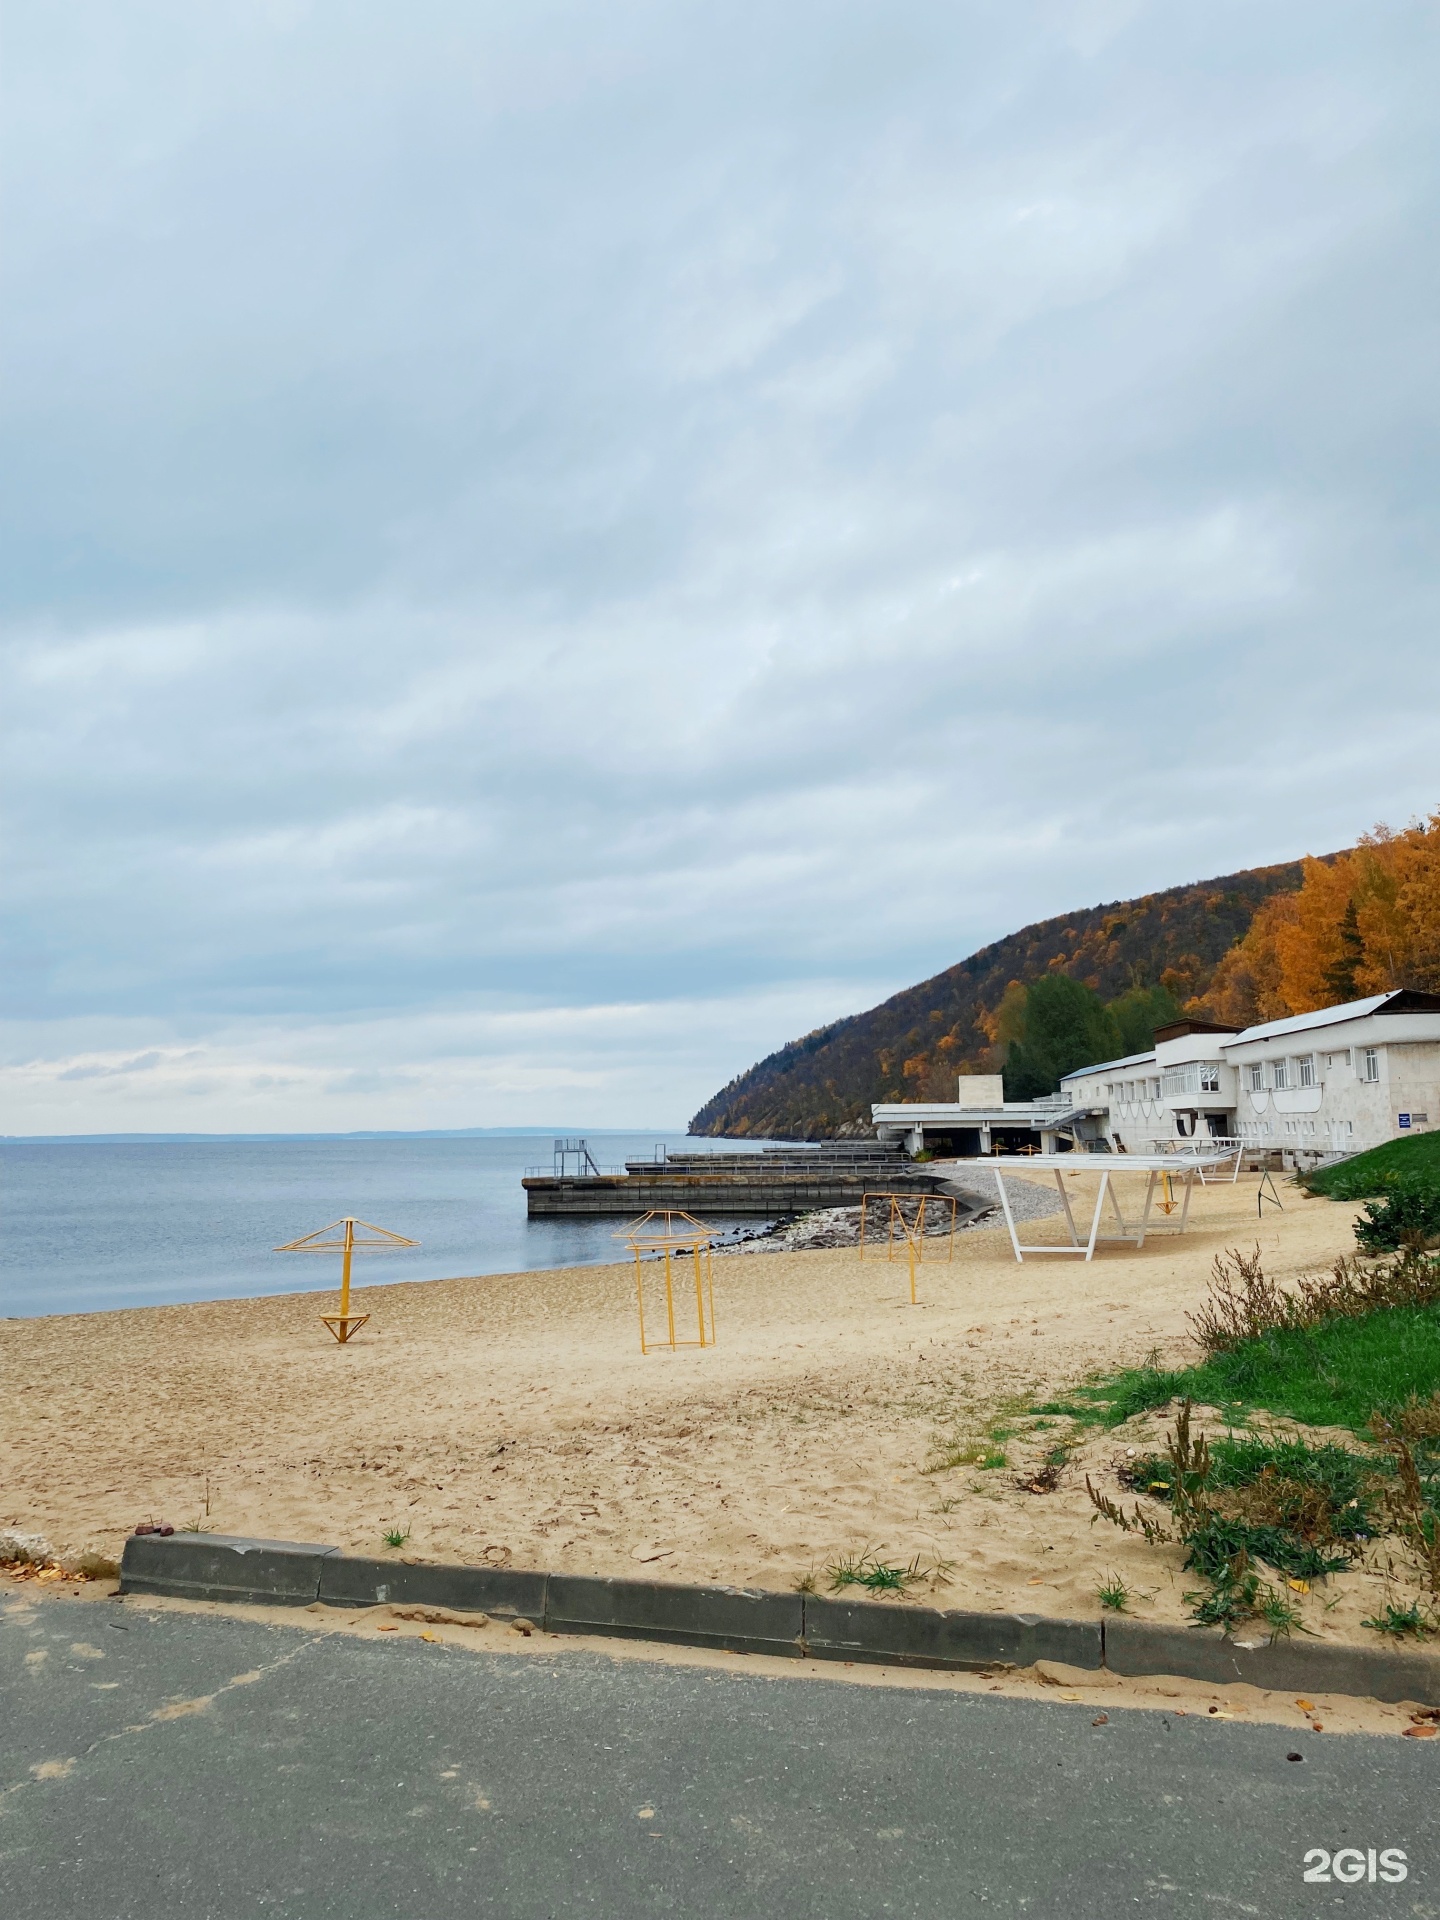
(771, 1184)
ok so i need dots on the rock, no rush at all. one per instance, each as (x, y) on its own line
(24, 1549)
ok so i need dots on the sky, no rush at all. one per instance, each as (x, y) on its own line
(546, 550)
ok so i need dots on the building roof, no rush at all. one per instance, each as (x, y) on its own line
(1104, 1066)
(1182, 1029)
(1403, 1000)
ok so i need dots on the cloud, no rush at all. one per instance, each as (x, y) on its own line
(526, 514)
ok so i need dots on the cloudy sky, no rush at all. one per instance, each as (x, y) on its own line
(549, 548)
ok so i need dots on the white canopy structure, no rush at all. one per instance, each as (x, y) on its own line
(1183, 1168)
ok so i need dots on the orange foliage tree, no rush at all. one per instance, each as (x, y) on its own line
(1362, 922)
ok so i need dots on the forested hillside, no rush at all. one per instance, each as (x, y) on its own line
(912, 1046)
(1252, 946)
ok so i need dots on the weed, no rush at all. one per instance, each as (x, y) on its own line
(396, 1536)
(876, 1576)
(807, 1583)
(1137, 1522)
(1410, 1508)
(1282, 1616)
(961, 1453)
(1403, 1621)
(1302, 1510)
(1246, 1305)
(1114, 1594)
(1046, 1477)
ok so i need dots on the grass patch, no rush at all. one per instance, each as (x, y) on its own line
(1412, 1622)
(1335, 1375)
(876, 1576)
(1113, 1594)
(396, 1536)
(1366, 1176)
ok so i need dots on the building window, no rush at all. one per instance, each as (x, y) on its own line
(1257, 1077)
(1209, 1079)
(1370, 1064)
(1282, 1074)
(1307, 1070)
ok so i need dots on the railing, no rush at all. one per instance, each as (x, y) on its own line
(592, 1172)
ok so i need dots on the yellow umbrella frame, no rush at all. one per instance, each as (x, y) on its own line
(657, 1232)
(345, 1325)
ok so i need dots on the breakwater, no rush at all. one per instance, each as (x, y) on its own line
(777, 1182)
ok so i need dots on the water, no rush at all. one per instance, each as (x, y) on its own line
(85, 1225)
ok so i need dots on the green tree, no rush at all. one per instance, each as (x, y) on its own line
(1138, 1013)
(1340, 976)
(1067, 1025)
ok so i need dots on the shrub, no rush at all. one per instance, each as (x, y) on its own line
(1245, 1304)
(1407, 1216)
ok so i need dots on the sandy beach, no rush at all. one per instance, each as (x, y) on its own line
(513, 1418)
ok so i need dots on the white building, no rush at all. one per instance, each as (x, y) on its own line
(1335, 1081)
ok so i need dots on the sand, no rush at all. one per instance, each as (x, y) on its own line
(513, 1419)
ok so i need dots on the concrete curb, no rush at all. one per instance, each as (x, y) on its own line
(212, 1566)
(928, 1637)
(741, 1619)
(202, 1566)
(347, 1582)
(1307, 1667)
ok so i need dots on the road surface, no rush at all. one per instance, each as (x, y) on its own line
(200, 1766)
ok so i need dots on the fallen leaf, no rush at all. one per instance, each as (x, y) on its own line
(1317, 1726)
(387, 1629)
(1421, 1733)
(1298, 1586)
(1101, 1720)
(432, 1636)
(1306, 1706)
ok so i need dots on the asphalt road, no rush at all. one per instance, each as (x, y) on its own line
(156, 1765)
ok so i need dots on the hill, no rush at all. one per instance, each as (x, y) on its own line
(913, 1045)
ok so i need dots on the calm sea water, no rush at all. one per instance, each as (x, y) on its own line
(88, 1225)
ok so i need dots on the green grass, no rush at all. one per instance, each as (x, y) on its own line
(1113, 1594)
(1402, 1622)
(1366, 1175)
(876, 1576)
(397, 1536)
(1330, 1376)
